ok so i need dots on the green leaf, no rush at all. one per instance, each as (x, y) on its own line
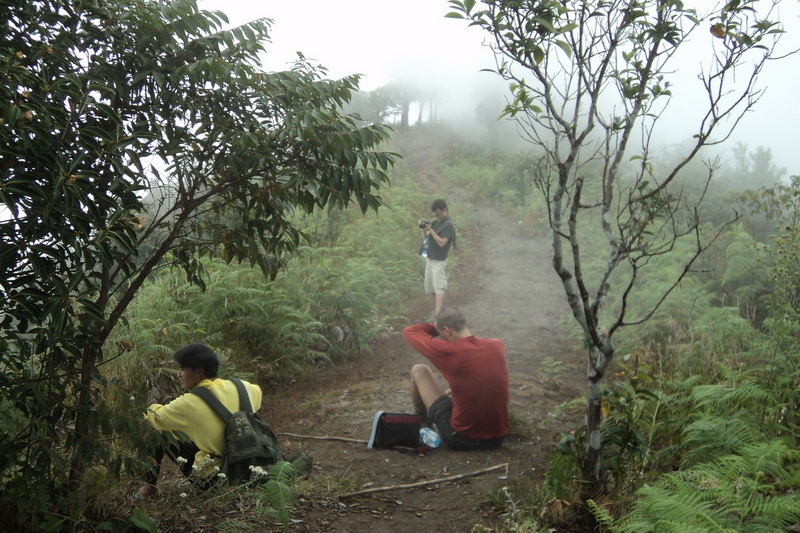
(565, 47)
(141, 520)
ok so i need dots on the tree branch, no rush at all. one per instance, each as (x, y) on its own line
(424, 483)
(322, 437)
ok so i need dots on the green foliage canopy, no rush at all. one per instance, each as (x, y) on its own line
(131, 133)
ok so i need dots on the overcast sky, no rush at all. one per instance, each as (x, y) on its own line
(389, 40)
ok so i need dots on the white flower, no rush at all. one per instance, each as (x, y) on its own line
(183, 495)
(181, 460)
(221, 475)
(258, 471)
(207, 460)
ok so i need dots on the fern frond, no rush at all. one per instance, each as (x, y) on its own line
(278, 501)
(722, 398)
(603, 517)
(755, 490)
(714, 436)
(772, 458)
(668, 508)
(283, 471)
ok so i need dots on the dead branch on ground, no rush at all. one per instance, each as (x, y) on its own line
(424, 483)
(321, 437)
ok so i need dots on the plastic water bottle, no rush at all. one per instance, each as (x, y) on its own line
(429, 438)
(425, 245)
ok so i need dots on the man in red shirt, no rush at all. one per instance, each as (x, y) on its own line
(475, 415)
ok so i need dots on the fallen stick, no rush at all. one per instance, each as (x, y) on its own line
(424, 483)
(323, 437)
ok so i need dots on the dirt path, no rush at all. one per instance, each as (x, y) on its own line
(515, 296)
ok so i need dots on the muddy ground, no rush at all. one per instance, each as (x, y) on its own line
(511, 293)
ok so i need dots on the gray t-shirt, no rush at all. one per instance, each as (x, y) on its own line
(445, 229)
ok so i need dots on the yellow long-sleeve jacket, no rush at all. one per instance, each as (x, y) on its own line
(191, 415)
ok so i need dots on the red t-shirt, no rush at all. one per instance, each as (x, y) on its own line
(477, 372)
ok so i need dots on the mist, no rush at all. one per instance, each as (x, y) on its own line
(446, 59)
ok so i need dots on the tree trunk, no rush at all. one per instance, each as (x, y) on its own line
(83, 451)
(594, 418)
(404, 115)
(598, 361)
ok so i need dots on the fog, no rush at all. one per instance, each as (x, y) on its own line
(412, 42)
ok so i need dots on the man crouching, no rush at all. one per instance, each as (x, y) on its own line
(199, 457)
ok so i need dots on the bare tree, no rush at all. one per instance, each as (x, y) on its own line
(590, 81)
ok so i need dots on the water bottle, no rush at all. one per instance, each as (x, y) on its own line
(429, 438)
(425, 244)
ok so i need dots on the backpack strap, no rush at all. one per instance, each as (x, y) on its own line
(244, 398)
(213, 402)
(216, 405)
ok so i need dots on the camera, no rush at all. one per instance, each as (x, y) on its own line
(423, 223)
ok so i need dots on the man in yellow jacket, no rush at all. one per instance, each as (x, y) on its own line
(200, 457)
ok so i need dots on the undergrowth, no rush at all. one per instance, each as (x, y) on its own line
(700, 429)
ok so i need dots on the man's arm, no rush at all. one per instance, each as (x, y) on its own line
(170, 417)
(445, 234)
(441, 241)
(423, 338)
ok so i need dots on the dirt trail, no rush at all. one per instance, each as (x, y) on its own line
(514, 295)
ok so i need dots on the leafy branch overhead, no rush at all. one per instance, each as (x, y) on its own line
(136, 135)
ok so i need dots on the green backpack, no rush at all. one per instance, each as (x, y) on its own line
(249, 441)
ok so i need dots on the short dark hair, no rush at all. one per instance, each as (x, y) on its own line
(197, 355)
(438, 204)
(452, 318)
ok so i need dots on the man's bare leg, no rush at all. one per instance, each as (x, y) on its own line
(438, 300)
(424, 389)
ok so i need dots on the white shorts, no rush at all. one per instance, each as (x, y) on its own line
(435, 276)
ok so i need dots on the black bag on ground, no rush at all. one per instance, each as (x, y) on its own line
(390, 430)
(249, 441)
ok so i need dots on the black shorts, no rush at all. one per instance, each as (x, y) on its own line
(440, 413)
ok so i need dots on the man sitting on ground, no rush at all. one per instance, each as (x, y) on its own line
(475, 415)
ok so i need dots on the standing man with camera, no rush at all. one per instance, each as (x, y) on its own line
(439, 235)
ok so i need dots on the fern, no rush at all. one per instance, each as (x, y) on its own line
(712, 436)
(754, 491)
(744, 272)
(564, 470)
(281, 500)
(666, 508)
(603, 517)
(721, 398)
(276, 496)
(728, 418)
